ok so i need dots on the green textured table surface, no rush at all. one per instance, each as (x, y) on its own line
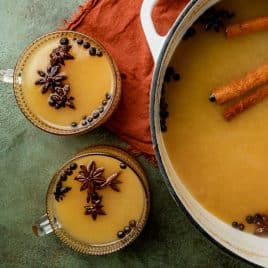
(29, 158)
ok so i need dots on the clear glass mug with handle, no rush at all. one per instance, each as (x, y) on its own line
(95, 98)
(51, 221)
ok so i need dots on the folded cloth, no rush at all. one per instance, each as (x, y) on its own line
(116, 24)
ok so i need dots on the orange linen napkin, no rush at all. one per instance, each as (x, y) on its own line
(116, 24)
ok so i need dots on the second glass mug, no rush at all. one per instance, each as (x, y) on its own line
(50, 221)
(107, 105)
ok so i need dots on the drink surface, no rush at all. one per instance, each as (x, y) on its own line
(223, 164)
(121, 207)
(90, 77)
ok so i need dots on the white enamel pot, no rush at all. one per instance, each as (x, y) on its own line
(249, 247)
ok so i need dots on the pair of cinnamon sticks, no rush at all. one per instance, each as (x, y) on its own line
(256, 79)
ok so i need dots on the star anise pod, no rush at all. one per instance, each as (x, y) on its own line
(113, 182)
(51, 79)
(94, 209)
(59, 54)
(261, 223)
(91, 178)
(59, 98)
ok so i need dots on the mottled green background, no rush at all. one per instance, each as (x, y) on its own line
(29, 158)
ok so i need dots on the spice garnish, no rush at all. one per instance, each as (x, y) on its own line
(242, 85)
(53, 80)
(113, 182)
(261, 223)
(212, 19)
(60, 54)
(92, 180)
(247, 27)
(95, 209)
(215, 19)
(170, 75)
(246, 102)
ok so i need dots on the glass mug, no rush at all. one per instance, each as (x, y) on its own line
(134, 197)
(87, 70)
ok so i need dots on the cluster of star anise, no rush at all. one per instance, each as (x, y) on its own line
(52, 80)
(92, 180)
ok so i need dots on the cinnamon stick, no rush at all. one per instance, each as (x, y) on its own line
(247, 27)
(246, 103)
(240, 86)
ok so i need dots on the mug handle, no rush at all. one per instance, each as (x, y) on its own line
(6, 76)
(42, 226)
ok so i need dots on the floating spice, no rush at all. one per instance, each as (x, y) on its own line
(127, 229)
(170, 74)
(95, 209)
(246, 103)
(247, 27)
(189, 33)
(212, 20)
(239, 226)
(59, 98)
(53, 80)
(92, 180)
(61, 190)
(261, 223)
(240, 86)
(60, 54)
(215, 19)
(50, 79)
(86, 45)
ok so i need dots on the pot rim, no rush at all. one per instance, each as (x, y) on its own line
(155, 87)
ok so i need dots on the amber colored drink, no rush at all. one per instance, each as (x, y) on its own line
(98, 199)
(223, 164)
(86, 69)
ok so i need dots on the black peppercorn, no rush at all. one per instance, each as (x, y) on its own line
(104, 102)
(108, 96)
(79, 41)
(190, 33)
(132, 223)
(73, 166)
(92, 51)
(95, 197)
(59, 185)
(167, 78)
(241, 226)
(249, 219)
(164, 114)
(96, 115)
(101, 109)
(163, 128)
(257, 218)
(89, 119)
(235, 224)
(63, 177)
(84, 123)
(120, 234)
(123, 165)
(176, 77)
(64, 41)
(86, 45)
(170, 70)
(99, 53)
(68, 172)
(127, 229)
(74, 124)
(65, 190)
